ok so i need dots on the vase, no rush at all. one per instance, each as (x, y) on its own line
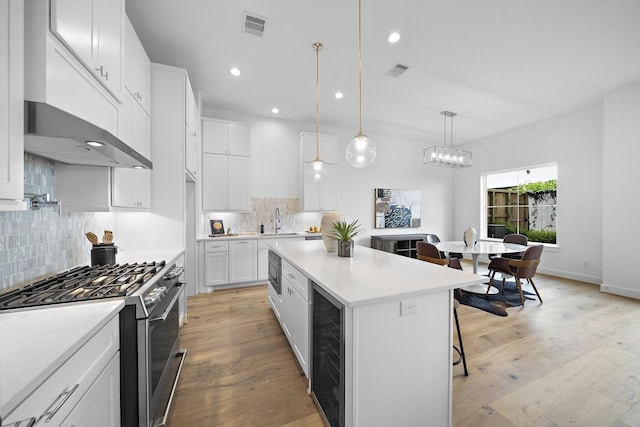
(345, 248)
(470, 236)
(326, 225)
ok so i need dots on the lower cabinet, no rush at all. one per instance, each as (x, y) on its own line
(100, 407)
(295, 312)
(85, 390)
(216, 261)
(243, 261)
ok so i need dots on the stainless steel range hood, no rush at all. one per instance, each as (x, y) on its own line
(55, 134)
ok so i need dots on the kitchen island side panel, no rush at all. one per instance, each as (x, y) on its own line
(401, 365)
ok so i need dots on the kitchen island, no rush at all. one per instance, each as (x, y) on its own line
(392, 321)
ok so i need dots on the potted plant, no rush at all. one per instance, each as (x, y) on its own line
(344, 233)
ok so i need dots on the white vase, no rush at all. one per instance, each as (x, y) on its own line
(326, 225)
(470, 236)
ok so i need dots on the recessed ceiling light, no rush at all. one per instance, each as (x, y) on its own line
(95, 143)
(235, 71)
(393, 37)
(275, 110)
(338, 95)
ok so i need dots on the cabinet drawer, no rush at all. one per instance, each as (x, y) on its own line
(54, 399)
(296, 279)
(263, 243)
(216, 246)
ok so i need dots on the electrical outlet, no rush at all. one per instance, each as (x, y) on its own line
(587, 264)
(408, 307)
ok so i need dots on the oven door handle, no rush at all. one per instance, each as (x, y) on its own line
(164, 315)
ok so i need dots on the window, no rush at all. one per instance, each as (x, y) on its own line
(521, 201)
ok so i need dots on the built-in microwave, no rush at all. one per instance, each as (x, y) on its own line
(275, 271)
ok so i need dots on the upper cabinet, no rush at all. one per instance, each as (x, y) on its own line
(92, 30)
(11, 105)
(137, 68)
(73, 57)
(192, 137)
(223, 137)
(226, 165)
(323, 195)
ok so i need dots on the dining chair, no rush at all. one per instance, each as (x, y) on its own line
(519, 239)
(524, 268)
(429, 252)
(433, 239)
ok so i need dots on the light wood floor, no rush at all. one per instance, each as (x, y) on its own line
(572, 361)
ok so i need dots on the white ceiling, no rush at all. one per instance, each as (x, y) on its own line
(499, 64)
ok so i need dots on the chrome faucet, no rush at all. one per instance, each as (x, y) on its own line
(278, 226)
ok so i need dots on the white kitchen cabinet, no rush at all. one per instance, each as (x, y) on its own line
(137, 68)
(216, 259)
(11, 105)
(323, 195)
(192, 115)
(131, 188)
(224, 137)
(243, 262)
(225, 182)
(92, 30)
(295, 312)
(100, 406)
(94, 365)
(134, 126)
(263, 258)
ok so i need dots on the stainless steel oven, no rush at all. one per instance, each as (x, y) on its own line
(275, 270)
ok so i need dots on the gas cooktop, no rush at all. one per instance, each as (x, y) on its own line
(82, 284)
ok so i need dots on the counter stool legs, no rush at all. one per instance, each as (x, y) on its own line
(461, 351)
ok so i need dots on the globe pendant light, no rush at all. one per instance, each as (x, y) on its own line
(361, 151)
(316, 169)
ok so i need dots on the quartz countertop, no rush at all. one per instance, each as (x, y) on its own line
(371, 275)
(37, 341)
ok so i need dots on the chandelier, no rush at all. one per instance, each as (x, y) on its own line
(443, 155)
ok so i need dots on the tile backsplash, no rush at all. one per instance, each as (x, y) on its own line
(37, 243)
(263, 212)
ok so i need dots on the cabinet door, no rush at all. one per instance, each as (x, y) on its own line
(137, 68)
(214, 182)
(108, 24)
(191, 155)
(300, 333)
(238, 139)
(321, 196)
(214, 136)
(329, 148)
(100, 406)
(141, 131)
(286, 309)
(11, 105)
(72, 21)
(191, 115)
(216, 268)
(238, 183)
(131, 188)
(243, 261)
(263, 264)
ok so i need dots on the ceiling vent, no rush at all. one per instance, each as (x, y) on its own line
(253, 24)
(397, 70)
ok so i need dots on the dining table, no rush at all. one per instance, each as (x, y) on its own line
(481, 247)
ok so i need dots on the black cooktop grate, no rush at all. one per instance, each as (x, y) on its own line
(82, 284)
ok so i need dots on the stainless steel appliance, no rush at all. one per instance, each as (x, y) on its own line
(150, 358)
(275, 270)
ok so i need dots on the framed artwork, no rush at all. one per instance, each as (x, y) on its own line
(217, 227)
(397, 208)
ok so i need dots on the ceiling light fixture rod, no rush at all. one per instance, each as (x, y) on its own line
(360, 65)
(317, 46)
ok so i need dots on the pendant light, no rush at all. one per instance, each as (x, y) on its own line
(361, 151)
(447, 156)
(317, 169)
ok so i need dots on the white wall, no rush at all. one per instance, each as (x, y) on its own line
(275, 158)
(574, 142)
(621, 202)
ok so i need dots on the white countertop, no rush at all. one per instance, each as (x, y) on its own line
(371, 275)
(35, 342)
(241, 236)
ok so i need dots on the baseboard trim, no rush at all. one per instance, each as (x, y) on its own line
(617, 290)
(569, 275)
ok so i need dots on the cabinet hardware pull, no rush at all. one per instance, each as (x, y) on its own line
(65, 395)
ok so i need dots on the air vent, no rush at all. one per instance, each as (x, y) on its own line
(397, 70)
(253, 24)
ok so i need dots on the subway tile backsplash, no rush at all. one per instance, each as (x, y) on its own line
(37, 243)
